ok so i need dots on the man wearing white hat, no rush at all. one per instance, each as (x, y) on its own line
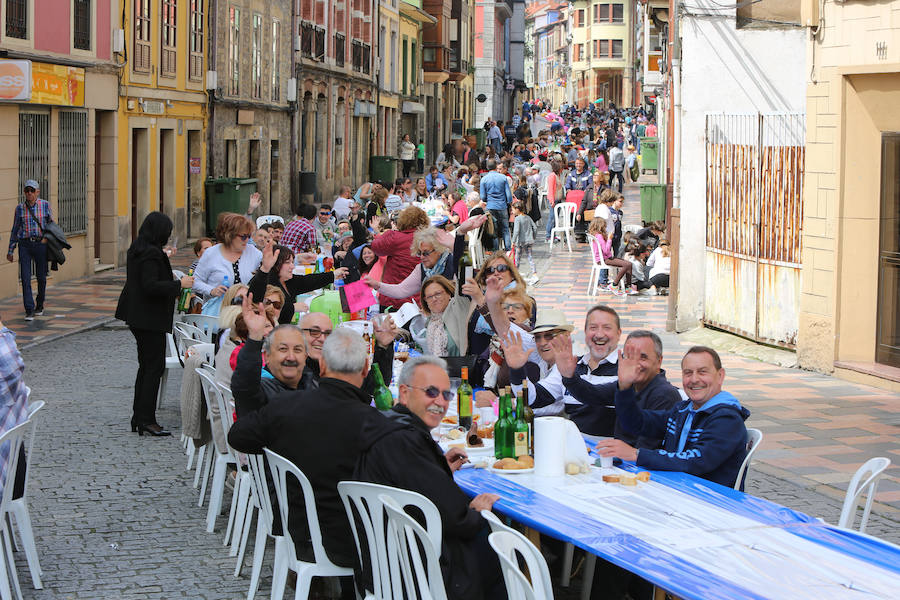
(28, 233)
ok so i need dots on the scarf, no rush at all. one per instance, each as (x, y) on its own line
(436, 335)
(437, 269)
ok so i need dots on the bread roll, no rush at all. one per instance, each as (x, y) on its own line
(628, 480)
(611, 478)
(643, 476)
(573, 468)
(526, 460)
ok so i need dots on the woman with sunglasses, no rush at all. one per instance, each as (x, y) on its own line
(277, 270)
(438, 252)
(441, 328)
(230, 261)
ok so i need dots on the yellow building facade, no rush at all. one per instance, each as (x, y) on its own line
(157, 136)
(602, 51)
(849, 312)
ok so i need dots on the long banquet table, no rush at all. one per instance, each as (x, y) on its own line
(697, 539)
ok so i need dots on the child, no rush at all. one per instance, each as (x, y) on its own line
(200, 246)
(597, 229)
(523, 234)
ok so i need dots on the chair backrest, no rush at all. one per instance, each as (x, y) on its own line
(280, 468)
(183, 336)
(12, 438)
(171, 349)
(596, 251)
(194, 332)
(537, 565)
(413, 546)
(176, 274)
(565, 214)
(215, 396)
(208, 324)
(509, 546)
(865, 480)
(257, 465)
(206, 350)
(476, 250)
(363, 504)
(260, 221)
(754, 439)
(33, 409)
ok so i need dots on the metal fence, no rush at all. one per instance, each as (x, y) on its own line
(72, 211)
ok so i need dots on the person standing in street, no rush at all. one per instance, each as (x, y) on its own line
(420, 157)
(495, 137)
(146, 304)
(498, 196)
(27, 232)
(616, 166)
(407, 155)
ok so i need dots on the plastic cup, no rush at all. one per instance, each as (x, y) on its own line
(606, 462)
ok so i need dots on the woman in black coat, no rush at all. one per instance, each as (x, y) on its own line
(147, 303)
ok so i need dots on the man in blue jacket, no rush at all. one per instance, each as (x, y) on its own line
(704, 435)
(496, 193)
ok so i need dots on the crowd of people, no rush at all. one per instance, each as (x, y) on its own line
(303, 386)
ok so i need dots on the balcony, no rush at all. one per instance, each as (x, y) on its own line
(361, 56)
(312, 41)
(436, 63)
(459, 68)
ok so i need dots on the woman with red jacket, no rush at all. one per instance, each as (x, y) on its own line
(394, 244)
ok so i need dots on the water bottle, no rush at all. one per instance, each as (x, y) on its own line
(225, 281)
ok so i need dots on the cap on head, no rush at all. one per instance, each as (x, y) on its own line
(549, 319)
(31, 183)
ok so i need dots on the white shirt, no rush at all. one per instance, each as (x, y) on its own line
(342, 207)
(553, 384)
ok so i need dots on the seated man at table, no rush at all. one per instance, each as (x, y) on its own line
(704, 435)
(399, 451)
(252, 384)
(320, 432)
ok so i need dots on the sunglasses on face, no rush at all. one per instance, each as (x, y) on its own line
(275, 303)
(244, 236)
(546, 336)
(424, 253)
(237, 300)
(316, 333)
(433, 392)
(497, 269)
(513, 306)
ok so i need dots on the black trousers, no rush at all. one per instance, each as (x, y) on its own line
(151, 349)
(408, 166)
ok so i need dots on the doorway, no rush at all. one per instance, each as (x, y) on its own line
(887, 348)
(140, 180)
(193, 197)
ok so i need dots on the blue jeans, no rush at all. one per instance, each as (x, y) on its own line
(502, 225)
(496, 143)
(33, 251)
(551, 221)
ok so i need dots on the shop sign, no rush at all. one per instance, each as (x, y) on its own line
(14, 78)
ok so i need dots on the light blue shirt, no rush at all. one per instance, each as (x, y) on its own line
(495, 191)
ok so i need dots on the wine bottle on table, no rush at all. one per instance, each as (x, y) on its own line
(466, 270)
(184, 301)
(503, 430)
(529, 420)
(384, 400)
(464, 401)
(520, 431)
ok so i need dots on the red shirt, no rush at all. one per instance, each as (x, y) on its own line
(395, 245)
(299, 235)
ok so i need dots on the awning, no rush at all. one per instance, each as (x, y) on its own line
(413, 107)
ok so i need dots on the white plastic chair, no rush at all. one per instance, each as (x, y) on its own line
(871, 471)
(287, 559)
(260, 221)
(177, 274)
(414, 544)
(476, 250)
(754, 439)
(363, 504)
(509, 546)
(209, 325)
(220, 461)
(596, 267)
(18, 508)
(186, 335)
(172, 362)
(8, 568)
(260, 499)
(540, 586)
(564, 212)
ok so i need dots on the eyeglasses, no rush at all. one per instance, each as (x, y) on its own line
(275, 303)
(435, 295)
(316, 333)
(433, 392)
(424, 253)
(237, 300)
(244, 236)
(546, 336)
(497, 269)
(513, 306)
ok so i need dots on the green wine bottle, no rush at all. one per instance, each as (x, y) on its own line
(503, 430)
(464, 401)
(529, 419)
(520, 432)
(384, 400)
(465, 271)
(184, 301)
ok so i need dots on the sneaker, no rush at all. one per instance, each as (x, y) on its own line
(617, 292)
(39, 312)
(29, 316)
(604, 287)
(632, 291)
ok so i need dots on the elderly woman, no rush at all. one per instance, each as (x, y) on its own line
(277, 270)
(228, 262)
(394, 244)
(438, 256)
(441, 328)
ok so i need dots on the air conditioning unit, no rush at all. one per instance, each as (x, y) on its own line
(118, 41)
(212, 80)
(292, 89)
(297, 44)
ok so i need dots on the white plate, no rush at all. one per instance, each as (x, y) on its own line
(510, 471)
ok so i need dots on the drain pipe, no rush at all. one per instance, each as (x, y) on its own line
(675, 215)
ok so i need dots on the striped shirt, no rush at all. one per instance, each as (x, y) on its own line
(13, 399)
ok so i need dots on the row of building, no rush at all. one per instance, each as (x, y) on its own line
(122, 107)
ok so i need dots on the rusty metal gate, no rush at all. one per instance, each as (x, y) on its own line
(754, 215)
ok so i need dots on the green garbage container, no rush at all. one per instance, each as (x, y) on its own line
(480, 136)
(227, 194)
(383, 168)
(649, 154)
(653, 202)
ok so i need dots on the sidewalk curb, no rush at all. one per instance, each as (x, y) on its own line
(63, 334)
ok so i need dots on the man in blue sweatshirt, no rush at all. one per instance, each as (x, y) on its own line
(704, 435)
(497, 195)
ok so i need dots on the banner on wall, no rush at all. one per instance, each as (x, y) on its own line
(57, 84)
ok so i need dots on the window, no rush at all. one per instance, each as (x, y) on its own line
(340, 48)
(616, 49)
(415, 68)
(234, 50)
(609, 13)
(17, 19)
(887, 334)
(579, 18)
(81, 24)
(72, 212)
(405, 63)
(276, 61)
(596, 13)
(608, 48)
(141, 60)
(195, 67)
(34, 150)
(256, 57)
(167, 55)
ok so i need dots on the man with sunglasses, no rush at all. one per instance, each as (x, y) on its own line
(399, 451)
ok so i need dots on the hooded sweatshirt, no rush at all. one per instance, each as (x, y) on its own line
(710, 442)
(399, 452)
